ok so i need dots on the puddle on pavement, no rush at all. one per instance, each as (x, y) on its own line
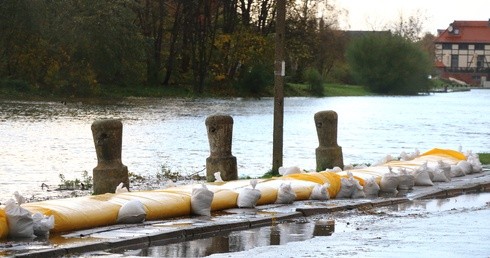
(298, 229)
(279, 234)
(467, 201)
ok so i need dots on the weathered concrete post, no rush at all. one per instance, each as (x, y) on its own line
(328, 153)
(110, 171)
(220, 129)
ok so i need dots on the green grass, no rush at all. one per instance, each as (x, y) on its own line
(484, 158)
(330, 90)
(345, 90)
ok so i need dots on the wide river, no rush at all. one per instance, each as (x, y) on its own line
(41, 140)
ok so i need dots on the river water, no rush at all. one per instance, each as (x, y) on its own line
(41, 140)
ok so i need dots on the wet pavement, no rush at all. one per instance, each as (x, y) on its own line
(246, 232)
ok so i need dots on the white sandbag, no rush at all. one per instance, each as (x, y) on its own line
(409, 156)
(131, 212)
(476, 166)
(285, 194)
(384, 160)
(320, 192)
(19, 198)
(422, 176)
(389, 182)
(348, 167)
(442, 172)
(347, 188)
(42, 224)
(21, 224)
(371, 188)
(283, 171)
(201, 199)
(217, 177)
(350, 187)
(351, 167)
(465, 167)
(121, 188)
(248, 197)
(406, 180)
(358, 190)
(440, 175)
(456, 171)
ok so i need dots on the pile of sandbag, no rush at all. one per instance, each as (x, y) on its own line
(19, 219)
(18, 222)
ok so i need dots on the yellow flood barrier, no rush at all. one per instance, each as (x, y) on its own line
(4, 227)
(158, 204)
(78, 213)
(102, 210)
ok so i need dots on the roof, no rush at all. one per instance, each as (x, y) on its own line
(465, 32)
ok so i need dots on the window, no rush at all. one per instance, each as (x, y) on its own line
(480, 62)
(446, 46)
(480, 46)
(454, 61)
(463, 46)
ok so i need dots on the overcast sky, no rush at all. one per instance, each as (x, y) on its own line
(374, 14)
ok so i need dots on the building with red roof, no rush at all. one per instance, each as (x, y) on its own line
(462, 52)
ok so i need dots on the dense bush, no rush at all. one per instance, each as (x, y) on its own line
(255, 80)
(388, 64)
(17, 85)
(315, 81)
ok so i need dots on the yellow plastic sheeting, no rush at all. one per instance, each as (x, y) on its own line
(432, 157)
(410, 164)
(432, 160)
(445, 153)
(302, 189)
(78, 213)
(310, 176)
(4, 227)
(242, 183)
(158, 204)
(268, 194)
(334, 180)
(361, 176)
(224, 199)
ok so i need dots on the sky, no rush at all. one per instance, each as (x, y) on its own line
(375, 14)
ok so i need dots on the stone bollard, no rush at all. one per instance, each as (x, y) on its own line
(110, 171)
(220, 129)
(328, 153)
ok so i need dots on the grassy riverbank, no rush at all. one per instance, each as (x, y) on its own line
(329, 90)
(13, 90)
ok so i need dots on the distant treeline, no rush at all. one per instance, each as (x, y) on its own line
(78, 47)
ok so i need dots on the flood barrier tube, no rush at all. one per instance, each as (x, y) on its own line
(102, 210)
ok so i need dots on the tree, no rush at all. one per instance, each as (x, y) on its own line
(312, 42)
(426, 43)
(389, 64)
(409, 28)
(151, 16)
(23, 50)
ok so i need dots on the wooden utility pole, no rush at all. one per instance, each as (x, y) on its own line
(279, 73)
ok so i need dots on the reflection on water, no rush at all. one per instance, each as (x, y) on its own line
(306, 228)
(40, 140)
(279, 234)
(466, 201)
